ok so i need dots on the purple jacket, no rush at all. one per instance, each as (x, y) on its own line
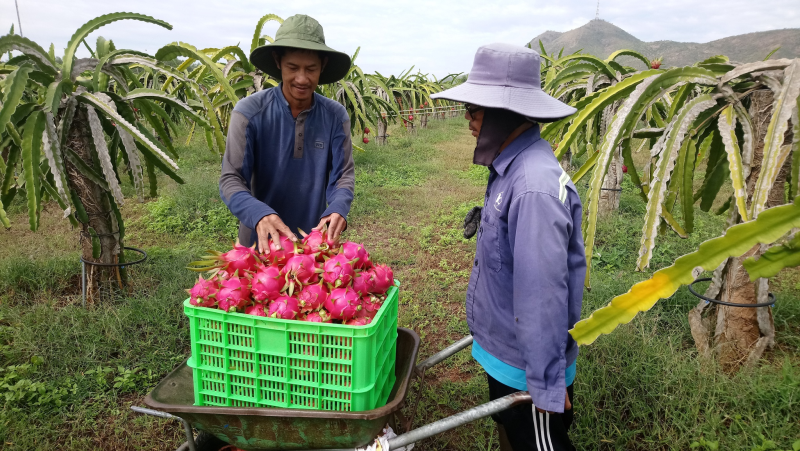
(526, 287)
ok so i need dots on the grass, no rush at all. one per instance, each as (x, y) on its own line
(69, 375)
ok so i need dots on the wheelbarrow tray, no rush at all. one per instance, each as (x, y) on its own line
(263, 429)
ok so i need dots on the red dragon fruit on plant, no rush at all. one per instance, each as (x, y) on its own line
(655, 63)
(338, 271)
(384, 278)
(357, 254)
(267, 284)
(239, 258)
(234, 293)
(285, 307)
(256, 310)
(343, 303)
(319, 316)
(204, 292)
(312, 297)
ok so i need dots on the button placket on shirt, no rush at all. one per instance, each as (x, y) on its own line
(299, 128)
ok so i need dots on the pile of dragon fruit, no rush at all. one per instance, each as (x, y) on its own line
(313, 280)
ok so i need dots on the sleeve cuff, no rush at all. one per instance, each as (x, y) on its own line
(550, 400)
(341, 204)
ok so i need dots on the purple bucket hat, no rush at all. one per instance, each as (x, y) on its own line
(507, 76)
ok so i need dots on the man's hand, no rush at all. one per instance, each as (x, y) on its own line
(272, 227)
(472, 222)
(336, 225)
(567, 404)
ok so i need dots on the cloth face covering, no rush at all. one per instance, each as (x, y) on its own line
(497, 126)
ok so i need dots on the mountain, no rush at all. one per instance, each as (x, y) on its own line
(601, 38)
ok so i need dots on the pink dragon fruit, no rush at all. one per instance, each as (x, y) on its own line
(364, 282)
(371, 304)
(267, 284)
(357, 254)
(384, 278)
(256, 309)
(338, 271)
(300, 270)
(320, 316)
(317, 242)
(358, 321)
(204, 293)
(239, 258)
(234, 293)
(312, 297)
(343, 303)
(280, 256)
(285, 307)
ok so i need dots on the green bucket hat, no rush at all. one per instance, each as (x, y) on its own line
(301, 32)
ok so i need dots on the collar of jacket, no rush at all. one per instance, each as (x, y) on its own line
(523, 141)
(289, 108)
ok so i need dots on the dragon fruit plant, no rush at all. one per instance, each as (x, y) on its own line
(314, 280)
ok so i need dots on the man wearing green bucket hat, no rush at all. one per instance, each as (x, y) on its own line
(288, 161)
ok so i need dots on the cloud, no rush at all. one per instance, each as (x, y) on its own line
(436, 37)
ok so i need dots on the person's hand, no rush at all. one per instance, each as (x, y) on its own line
(336, 225)
(471, 222)
(272, 227)
(567, 404)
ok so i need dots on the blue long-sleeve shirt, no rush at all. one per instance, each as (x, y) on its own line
(298, 168)
(526, 287)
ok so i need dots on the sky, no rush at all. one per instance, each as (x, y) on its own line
(436, 37)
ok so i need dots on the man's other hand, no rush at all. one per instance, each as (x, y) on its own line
(271, 227)
(472, 221)
(336, 225)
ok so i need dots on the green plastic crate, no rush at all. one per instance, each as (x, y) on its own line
(250, 361)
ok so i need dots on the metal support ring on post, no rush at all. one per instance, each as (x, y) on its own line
(769, 303)
(121, 265)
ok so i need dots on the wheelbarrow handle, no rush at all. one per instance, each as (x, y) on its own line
(467, 416)
(189, 445)
(445, 353)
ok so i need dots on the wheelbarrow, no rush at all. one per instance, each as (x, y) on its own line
(265, 429)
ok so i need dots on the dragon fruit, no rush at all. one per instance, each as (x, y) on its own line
(320, 316)
(364, 282)
(358, 321)
(312, 297)
(278, 256)
(285, 307)
(384, 278)
(300, 270)
(338, 271)
(239, 258)
(357, 254)
(204, 293)
(371, 304)
(256, 309)
(317, 243)
(267, 284)
(343, 303)
(234, 293)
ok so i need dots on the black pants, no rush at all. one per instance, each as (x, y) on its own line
(543, 432)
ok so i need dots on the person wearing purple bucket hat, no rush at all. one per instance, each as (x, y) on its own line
(526, 287)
